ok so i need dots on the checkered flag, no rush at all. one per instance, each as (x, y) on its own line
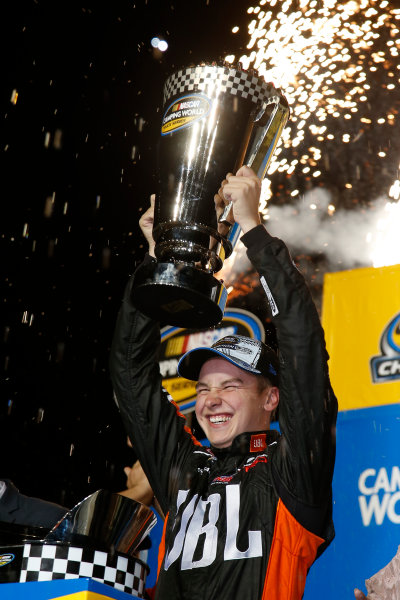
(226, 80)
(45, 562)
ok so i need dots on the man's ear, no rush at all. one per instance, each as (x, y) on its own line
(271, 399)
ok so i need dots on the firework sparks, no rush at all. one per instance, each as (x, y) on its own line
(338, 65)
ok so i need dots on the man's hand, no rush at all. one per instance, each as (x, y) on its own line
(243, 190)
(220, 204)
(358, 595)
(146, 225)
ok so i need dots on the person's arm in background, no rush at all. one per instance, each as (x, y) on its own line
(138, 487)
(385, 583)
(27, 510)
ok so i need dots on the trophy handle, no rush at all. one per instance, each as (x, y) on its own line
(263, 141)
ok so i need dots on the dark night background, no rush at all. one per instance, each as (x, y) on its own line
(77, 155)
(77, 169)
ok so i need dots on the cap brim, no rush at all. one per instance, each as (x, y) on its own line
(190, 364)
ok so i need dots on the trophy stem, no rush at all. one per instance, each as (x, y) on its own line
(184, 243)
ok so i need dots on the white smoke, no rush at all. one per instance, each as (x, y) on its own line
(363, 237)
(308, 227)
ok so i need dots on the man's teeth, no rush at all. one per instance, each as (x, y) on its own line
(219, 419)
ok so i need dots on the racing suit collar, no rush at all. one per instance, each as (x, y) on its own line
(248, 442)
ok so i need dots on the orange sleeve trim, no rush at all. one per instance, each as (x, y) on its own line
(293, 550)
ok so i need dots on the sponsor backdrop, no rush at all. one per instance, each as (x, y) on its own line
(361, 318)
(366, 494)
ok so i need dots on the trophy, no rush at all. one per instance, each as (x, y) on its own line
(215, 119)
(99, 539)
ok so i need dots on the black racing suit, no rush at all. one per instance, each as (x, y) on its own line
(245, 522)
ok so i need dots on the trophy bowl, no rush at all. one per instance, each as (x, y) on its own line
(215, 119)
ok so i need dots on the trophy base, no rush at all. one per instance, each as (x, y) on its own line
(180, 295)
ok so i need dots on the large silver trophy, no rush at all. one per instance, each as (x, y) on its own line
(215, 119)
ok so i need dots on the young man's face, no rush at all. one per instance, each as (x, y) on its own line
(236, 406)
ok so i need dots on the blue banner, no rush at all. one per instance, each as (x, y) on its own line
(366, 494)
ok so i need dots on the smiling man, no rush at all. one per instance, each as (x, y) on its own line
(234, 393)
(247, 516)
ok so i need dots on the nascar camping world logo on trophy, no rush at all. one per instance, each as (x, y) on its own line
(215, 118)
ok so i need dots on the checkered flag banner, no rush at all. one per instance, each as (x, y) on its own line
(211, 78)
(45, 562)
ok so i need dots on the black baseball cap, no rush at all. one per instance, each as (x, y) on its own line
(246, 353)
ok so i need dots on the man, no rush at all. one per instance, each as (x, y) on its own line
(246, 517)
